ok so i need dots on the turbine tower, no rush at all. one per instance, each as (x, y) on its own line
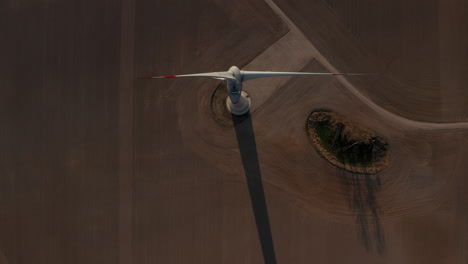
(238, 102)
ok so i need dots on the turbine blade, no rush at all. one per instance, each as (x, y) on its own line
(249, 75)
(216, 75)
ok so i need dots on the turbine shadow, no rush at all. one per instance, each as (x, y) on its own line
(248, 150)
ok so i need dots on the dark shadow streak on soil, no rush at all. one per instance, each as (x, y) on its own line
(361, 190)
(248, 150)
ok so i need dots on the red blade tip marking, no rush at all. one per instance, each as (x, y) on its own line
(170, 76)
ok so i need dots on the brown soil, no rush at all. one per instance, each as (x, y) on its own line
(350, 132)
(85, 143)
(101, 167)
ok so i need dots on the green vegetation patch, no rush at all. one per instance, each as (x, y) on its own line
(346, 144)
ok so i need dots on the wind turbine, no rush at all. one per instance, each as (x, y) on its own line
(237, 101)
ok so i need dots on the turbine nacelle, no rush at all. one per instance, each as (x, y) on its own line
(234, 86)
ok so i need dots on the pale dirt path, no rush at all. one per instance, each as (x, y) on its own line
(302, 52)
(275, 59)
(299, 53)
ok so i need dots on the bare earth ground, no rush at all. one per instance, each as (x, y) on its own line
(98, 167)
(59, 79)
